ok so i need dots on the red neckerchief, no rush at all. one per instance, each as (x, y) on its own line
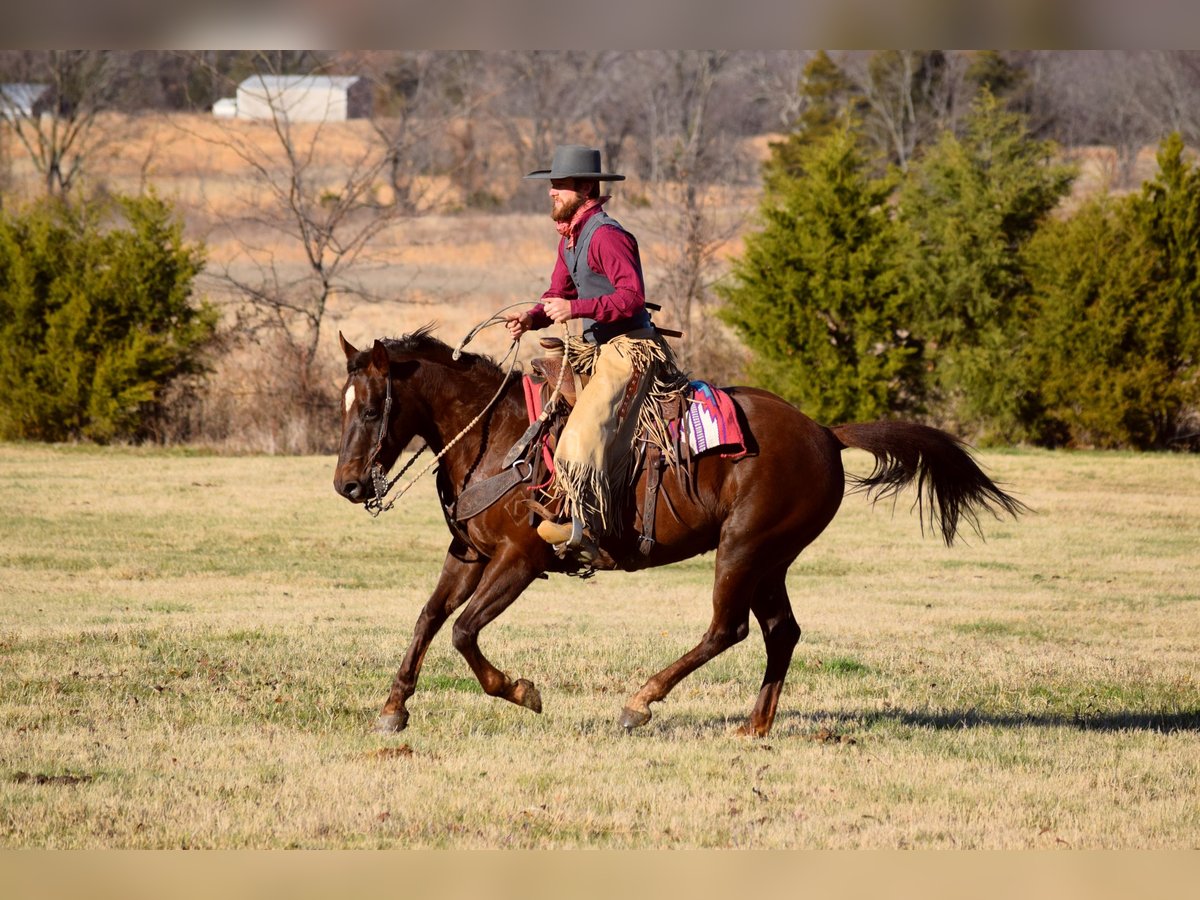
(570, 230)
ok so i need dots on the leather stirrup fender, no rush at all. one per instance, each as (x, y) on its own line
(483, 494)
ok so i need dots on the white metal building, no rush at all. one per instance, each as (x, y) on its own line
(304, 98)
(23, 101)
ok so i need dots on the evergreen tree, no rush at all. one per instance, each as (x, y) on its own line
(95, 322)
(968, 206)
(815, 295)
(1115, 350)
(1168, 212)
(828, 97)
(990, 71)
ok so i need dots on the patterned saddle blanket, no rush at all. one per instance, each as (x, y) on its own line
(711, 421)
(707, 418)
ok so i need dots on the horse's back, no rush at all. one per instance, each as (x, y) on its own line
(797, 454)
(790, 488)
(786, 488)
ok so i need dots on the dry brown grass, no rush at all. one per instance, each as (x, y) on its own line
(449, 267)
(194, 648)
(447, 264)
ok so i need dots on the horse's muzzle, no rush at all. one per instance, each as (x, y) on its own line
(354, 491)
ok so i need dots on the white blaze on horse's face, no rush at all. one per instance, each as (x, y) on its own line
(349, 397)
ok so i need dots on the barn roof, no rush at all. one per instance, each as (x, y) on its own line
(308, 82)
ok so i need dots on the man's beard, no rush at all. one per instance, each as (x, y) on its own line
(567, 210)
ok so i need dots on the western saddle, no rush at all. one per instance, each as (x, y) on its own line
(558, 386)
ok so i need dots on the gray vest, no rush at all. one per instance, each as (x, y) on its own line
(589, 284)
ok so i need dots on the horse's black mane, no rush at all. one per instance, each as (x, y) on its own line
(421, 343)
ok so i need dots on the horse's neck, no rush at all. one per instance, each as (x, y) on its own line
(461, 406)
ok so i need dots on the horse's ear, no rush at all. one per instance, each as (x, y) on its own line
(347, 347)
(379, 357)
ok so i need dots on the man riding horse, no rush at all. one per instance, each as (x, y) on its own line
(742, 506)
(597, 278)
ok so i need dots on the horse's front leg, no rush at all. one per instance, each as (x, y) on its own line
(507, 575)
(458, 580)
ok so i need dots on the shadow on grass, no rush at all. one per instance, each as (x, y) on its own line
(829, 725)
(1121, 720)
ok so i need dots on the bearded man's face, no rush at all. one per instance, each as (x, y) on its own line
(566, 197)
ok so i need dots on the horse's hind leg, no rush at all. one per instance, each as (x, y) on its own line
(507, 575)
(734, 586)
(780, 633)
(458, 579)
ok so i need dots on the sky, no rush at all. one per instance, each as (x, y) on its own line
(617, 24)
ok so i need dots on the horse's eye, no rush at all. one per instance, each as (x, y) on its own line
(370, 413)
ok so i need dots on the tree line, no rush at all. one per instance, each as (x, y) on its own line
(642, 106)
(958, 290)
(911, 256)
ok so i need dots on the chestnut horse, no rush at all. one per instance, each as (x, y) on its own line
(758, 512)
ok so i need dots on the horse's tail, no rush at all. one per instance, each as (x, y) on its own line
(950, 485)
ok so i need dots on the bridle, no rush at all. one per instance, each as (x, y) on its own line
(378, 477)
(379, 480)
(384, 421)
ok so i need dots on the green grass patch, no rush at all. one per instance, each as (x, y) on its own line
(995, 628)
(844, 665)
(451, 683)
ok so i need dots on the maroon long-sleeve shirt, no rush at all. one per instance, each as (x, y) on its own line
(613, 253)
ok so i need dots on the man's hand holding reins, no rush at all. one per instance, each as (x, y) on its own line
(558, 309)
(518, 323)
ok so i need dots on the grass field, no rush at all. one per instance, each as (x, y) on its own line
(193, 649)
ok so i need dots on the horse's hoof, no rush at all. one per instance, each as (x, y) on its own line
(526, 695)
(633, 718)
(390, 724)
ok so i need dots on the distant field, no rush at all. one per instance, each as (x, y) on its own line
(193, 649)
(451, 265)
(448, 264)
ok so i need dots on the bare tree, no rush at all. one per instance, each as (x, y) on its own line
(300, 196)
(694, 159)
(908, 96)
(775, 78)
(1096, 97)
(425, 104)
(61, 137)
(1167, 92)
(689, 157)
(546, 97)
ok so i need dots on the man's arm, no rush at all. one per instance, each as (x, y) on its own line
(614, 253)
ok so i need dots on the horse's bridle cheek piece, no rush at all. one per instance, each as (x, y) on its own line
(385, 419)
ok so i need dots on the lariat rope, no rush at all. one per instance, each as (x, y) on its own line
(375, 505)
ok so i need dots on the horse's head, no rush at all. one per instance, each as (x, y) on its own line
(375, 424)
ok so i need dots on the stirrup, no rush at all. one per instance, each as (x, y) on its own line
(570, 536)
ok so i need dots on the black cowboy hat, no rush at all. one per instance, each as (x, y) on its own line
(575, 161)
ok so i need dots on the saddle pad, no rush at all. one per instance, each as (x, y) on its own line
(712, 422)
(533, 406)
